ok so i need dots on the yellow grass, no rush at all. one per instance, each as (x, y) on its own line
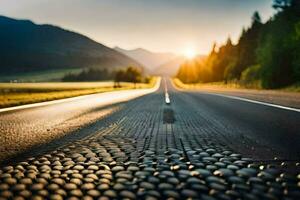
(14, 94)
(293, 88)
(182, 85)
(230, 85)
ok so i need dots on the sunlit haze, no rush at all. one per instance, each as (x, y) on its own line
(157, 25)
(190, 53)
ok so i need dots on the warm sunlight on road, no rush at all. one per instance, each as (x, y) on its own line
(196, 144)
(33, 124)
(144, 99)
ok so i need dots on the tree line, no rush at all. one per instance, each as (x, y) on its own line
(90, 74)
(266, 54)
(129, 74)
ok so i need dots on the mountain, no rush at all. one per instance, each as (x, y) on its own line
(29, 47)
(169, 68)
(149, 59)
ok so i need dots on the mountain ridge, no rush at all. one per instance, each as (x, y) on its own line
(41, 47)
(156, 63)
(151, 60)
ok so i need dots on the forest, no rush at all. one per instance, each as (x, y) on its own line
(129, 74)
(90, 74)
(267, 55)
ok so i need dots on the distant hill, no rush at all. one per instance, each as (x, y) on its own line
(169, 68)
(149, 59)
(28, 47)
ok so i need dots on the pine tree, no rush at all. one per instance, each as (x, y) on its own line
(282, 4)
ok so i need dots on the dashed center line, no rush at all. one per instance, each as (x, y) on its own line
(167, 96)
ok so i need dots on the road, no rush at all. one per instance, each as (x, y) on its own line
(198, 146)
(277, 97)
(27, 126)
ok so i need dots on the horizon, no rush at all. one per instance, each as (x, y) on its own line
(114, 23)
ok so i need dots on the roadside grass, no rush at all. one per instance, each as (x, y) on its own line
(182, 85)
(293, 88)
(230, 85)
(14, 94)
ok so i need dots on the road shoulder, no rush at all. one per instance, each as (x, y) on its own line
(277, 97)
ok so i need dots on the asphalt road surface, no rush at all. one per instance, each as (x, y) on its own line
(200, 146)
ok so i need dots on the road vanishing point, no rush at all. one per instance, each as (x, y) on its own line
(159, 143)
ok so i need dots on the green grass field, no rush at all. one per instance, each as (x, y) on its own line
(44, 76)
(14, 94)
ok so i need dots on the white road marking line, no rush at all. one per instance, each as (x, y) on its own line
(243, 99)
(254, 101)
(33, 105)
(46, 103)
(167, 96)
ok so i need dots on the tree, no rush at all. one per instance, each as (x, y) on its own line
(220, 61)
(189, 71)
(119, 76)
(266, 53)
(256, 18)
(131, 74)
(279, 49)
(90, 74)
(246, 48)
(296, 42)
(282, 4)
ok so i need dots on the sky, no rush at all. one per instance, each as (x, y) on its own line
(157, 25)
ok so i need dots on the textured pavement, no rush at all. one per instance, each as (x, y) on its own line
(146, 149)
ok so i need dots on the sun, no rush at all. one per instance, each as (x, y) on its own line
(190, 53)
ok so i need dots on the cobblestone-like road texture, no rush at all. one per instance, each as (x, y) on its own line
(194, 148)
